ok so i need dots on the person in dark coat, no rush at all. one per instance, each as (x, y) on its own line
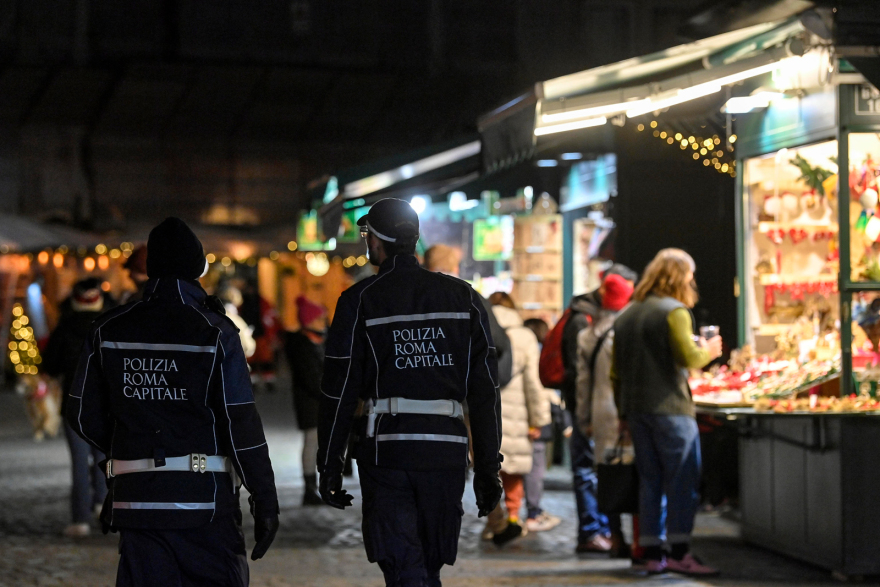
(305, 354)
(60, 360)
(162, 388)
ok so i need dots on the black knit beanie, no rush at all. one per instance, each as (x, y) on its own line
(173, 250)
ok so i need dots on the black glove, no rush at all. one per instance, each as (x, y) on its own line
(332, 492)
(487, 487)
(265, 528)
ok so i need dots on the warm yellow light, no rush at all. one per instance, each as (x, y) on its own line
(733, 174)
(653, 124)
(105, 286)
(691, 139)
(292, 245)
(684, 143)
(19, 369)
(732, 138)
(670, 140)
(115, 253)
(104, 262)
(43, 257)
(716, 140)
(32, 353)
(678, 136)
(101, 249)
(22, 346)
(663, 135)
(14, 357)
(89, 264)
(706, 162)
(718, 166)
(724, 168)
(695, 146)
(703, 151)
(656, 133)
(16, 324)
(24, 320)
(126, 246)
(361, 261)
(641, 127)
(17, 311)
(226, 261)
(210, 257)
(12, 346)
(696, 156)
(274, 255)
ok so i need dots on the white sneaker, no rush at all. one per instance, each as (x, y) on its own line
(543, 522)
(77, 530)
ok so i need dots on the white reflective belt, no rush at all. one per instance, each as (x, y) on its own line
(197, 463)
(400, 405)
(434, 437)
(419, 317)
(160, 505)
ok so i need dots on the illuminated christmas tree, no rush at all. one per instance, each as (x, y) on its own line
(23, 351)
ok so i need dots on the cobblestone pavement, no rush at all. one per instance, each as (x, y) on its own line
(321, 546)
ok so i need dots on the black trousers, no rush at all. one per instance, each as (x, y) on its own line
(213, 554)
(412, 520)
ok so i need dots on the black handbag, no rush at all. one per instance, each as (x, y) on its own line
(618, 491)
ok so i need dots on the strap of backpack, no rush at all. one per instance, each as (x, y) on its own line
(595, 355)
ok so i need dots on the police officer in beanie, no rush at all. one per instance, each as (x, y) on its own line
(413, 345)
(163, 390)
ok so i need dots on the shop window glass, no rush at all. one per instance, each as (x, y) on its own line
(864, 169)
(791, 253)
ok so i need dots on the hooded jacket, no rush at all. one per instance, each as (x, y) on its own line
(596, 411)
(409, 333)
(524, 401)
(166, 377)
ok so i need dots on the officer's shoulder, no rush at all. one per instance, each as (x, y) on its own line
(112, 314)
(449, 281)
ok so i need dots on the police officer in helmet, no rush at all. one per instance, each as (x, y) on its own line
(413, 346)
(163, 390)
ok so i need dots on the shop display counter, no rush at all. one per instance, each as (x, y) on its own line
(808, 485)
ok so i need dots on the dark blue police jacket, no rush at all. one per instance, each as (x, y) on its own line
(410, 333)
(167, 377)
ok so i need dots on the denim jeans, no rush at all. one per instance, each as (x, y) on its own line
(534, 481)
(89, 484)
(668, 460)
(583, 468)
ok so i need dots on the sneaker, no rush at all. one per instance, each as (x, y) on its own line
(655, 567)
(77, 530)
(597, 543)
(511, 532)
(487, 533)
(543, 522)
(690, 565)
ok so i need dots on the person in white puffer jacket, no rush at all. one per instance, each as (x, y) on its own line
(524, 410)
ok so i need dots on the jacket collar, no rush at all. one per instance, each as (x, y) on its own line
(170, 288)
(398, 262)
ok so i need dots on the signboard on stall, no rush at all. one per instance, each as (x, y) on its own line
(493, 238)
(349, 231)
(308, 237)
(589, 183)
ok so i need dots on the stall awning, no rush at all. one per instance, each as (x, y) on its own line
(637, 86)
(22, 235)
(432, 171)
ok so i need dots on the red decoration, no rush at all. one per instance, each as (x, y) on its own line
(797, 235)
(797, 291)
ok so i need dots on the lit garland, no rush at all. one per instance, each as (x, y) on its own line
(706, 150)
(23, 351)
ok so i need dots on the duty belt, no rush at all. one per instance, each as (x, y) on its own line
(195, 462)
(400, 405)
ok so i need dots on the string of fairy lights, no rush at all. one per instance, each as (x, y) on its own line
(707, 150)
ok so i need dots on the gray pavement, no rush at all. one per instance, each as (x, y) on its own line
(321, 546)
